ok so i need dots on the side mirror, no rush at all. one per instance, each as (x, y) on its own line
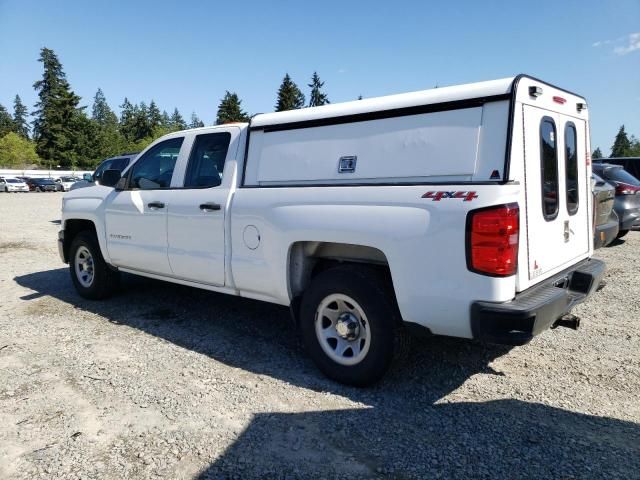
(88, 177)
(110, 178)
(121, 185)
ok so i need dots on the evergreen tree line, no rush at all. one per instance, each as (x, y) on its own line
(623, 146)
(63, 133)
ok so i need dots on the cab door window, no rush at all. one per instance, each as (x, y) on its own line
(154, 169)
(549, 168)
(206, 162)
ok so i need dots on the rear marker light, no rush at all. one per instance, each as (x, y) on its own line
(581, 106)
(492, 240)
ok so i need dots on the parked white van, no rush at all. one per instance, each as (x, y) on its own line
(461, 211)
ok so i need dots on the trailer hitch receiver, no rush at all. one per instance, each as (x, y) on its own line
(569, 321)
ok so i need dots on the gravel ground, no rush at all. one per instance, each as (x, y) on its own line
(167, 381)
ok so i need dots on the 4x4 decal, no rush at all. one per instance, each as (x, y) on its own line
(437, 196)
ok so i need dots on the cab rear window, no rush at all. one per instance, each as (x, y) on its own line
(549, 168)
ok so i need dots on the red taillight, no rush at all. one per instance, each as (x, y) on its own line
(492, 240)
(560, 100)
(626, 189)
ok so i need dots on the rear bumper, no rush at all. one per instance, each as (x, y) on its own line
(606, 233)
(533, 311)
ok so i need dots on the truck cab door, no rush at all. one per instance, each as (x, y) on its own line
(198, 209)
(136, 218)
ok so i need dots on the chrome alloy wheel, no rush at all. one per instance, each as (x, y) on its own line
(83, 263)
(342, 329)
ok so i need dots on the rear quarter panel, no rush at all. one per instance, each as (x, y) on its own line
(422, 239)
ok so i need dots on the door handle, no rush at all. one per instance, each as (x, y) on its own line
(155, 205)
(209, 207)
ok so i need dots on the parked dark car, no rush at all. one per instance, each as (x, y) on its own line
(115, 163)
(630, 164)
(605, 219)
(627, 202)
(42, 185)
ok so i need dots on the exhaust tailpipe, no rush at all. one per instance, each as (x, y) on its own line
(569, 321)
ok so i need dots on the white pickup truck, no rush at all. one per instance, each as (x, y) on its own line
(463, 211)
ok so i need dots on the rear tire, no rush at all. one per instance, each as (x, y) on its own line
(91, 275)
(350, 324)
(622, 233)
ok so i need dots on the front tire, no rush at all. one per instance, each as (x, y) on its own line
(350, 324)
(91, 276)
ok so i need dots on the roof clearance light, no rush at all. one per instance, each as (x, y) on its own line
(581, 106)
(560, 100)
(535, 91)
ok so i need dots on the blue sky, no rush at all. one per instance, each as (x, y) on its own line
(186, 54)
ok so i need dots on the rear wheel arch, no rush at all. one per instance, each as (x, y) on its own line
(307, 260)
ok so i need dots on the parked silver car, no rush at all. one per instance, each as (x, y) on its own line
(627, 202)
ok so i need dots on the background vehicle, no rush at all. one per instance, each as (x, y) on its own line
(627, 202)
(42, 185)
(605, 218)
(115, 163)
(64, 183)
(464, 211)
(12, 185)
(630, 164)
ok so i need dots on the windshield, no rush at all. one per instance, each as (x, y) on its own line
(621, 175)
(68, 179)
(111, 164)
(12, 180)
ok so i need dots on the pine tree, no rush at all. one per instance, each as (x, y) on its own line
(101, 136)
(166, 120)
(634, 151)
(53, 127)
(20, 124)
(230, 110)
(86, 141)
(195, 121)
(596, 154)
(289, 95)
(621, 145)
(317, 97)
(6, 122)
(127, 119)
(155, 117)
(141, 126)
(176, 121)
(101, 112)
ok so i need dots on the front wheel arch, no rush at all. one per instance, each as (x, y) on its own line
(104, 280)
